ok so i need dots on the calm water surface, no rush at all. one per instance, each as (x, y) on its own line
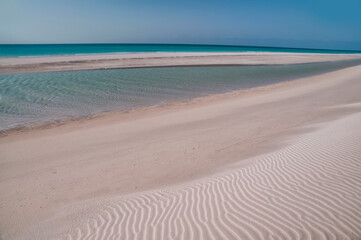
(45, 97)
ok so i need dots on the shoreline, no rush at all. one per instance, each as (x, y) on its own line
(161, 59)
(51, 122)
(198, 101)
(194, 100)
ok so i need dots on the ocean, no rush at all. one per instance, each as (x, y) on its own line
(33, 98)
(26, 50)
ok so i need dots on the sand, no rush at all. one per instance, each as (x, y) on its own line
(276, 162)
(134, 60)
(309, 190)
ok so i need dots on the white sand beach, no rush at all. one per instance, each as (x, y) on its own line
(276, 162)
(165, 59)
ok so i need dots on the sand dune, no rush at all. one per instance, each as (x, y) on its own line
(308, 190)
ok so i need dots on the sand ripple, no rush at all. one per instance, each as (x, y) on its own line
(309, 190)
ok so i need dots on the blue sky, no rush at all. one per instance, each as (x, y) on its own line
(306, 23)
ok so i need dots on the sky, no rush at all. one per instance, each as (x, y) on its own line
(332, 24)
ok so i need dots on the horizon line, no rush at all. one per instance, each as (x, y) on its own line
(189, 44)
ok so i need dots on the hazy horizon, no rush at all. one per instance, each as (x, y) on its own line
(289, 24)
(190, 44)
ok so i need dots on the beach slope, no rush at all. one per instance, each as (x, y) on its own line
(275, 162)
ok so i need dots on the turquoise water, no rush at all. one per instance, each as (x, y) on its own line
(32, 98)
(17, 50)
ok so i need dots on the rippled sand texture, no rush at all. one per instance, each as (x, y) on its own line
(308, 190)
